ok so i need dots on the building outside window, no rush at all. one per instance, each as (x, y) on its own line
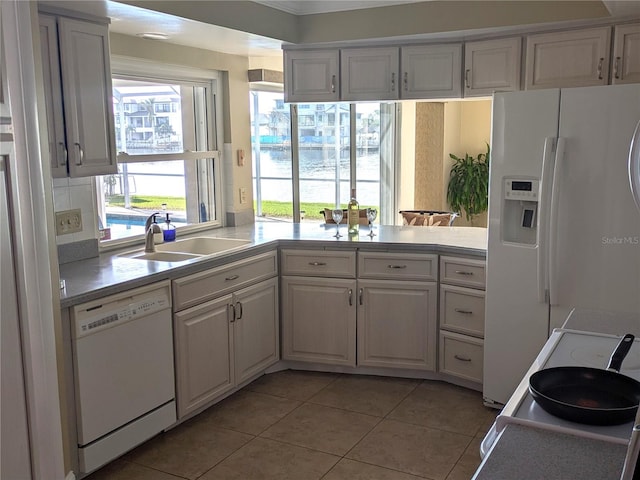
(327, 162)
(167, 155)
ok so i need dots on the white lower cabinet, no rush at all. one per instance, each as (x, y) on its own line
(204, 353)
(462, 283)
(394, 307)
(396, 324)
(319, 320)
(255, 329)
(223, 342)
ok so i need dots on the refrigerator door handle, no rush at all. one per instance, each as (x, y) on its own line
(553, 221)
(634, 165)
(546, 181)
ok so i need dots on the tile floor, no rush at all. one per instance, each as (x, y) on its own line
(310, 425)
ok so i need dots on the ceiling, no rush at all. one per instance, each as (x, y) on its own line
(133, 20)
(309, 7)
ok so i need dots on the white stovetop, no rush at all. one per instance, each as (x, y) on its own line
(570, 348)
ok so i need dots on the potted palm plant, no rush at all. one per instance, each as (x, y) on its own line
(468, 188)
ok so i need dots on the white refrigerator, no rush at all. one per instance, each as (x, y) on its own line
(564, 230)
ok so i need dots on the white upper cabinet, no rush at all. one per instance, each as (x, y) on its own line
(431, 71)
(369, 73)
(311, 75)
(626, 54)
(492, 66)
(576, 58)
(77, 80)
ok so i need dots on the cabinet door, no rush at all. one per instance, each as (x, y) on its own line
(87, 93)
(255, 329)
(576, 58)
(492, 66)
(626, 54)
(397, 324)
(319, 320)
(369, 73)
(431, 71)
(53, 95)
(311, 76)
(204, 354)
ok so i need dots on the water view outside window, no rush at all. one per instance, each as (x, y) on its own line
(323, 156)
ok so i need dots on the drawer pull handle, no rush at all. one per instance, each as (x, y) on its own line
(464, 312)
(462, 272)
(360, 293)
(599, 69)
(396, 266)
(317, 264)
(461, 358)
(232, 277)
(350, 297)
(233, 316)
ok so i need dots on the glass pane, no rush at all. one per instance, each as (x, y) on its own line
(272, 168)
(140, 189)
(160, 118)
(323, 139)
(148, 117)
(368, 135)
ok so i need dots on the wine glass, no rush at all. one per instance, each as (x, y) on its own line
(336, 214)
(372, 213)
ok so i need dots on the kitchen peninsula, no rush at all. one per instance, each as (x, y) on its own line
(274, 296)
(111, 273)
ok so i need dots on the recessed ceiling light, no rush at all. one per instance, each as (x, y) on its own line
(153, 35)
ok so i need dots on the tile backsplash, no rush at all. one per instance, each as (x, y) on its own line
(70, 193)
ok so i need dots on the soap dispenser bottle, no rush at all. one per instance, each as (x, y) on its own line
(168, 230)
(157, 237)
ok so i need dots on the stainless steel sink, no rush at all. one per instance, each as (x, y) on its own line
(201, 245)
(187, 249)
(165, 256)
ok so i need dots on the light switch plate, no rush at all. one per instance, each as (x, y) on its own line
(68, 221)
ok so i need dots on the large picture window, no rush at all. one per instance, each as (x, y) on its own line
(317, 153)
(167, 156)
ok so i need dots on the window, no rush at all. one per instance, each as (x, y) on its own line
(327, 162)
(167, 162)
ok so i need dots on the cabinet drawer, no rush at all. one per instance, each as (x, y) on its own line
(462, 271)
(319, 263)
(401, 266)
(200, 287)
(462, 310)
(461, 356)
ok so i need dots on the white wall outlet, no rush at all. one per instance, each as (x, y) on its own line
(243, 195)
(68, 221)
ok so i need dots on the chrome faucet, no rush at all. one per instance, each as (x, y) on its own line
(150, 228)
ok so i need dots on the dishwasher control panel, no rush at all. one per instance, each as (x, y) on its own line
(119, 309)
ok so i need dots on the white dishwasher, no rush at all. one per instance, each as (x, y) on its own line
(123, 372)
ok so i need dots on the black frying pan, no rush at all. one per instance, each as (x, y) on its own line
(589, 395)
